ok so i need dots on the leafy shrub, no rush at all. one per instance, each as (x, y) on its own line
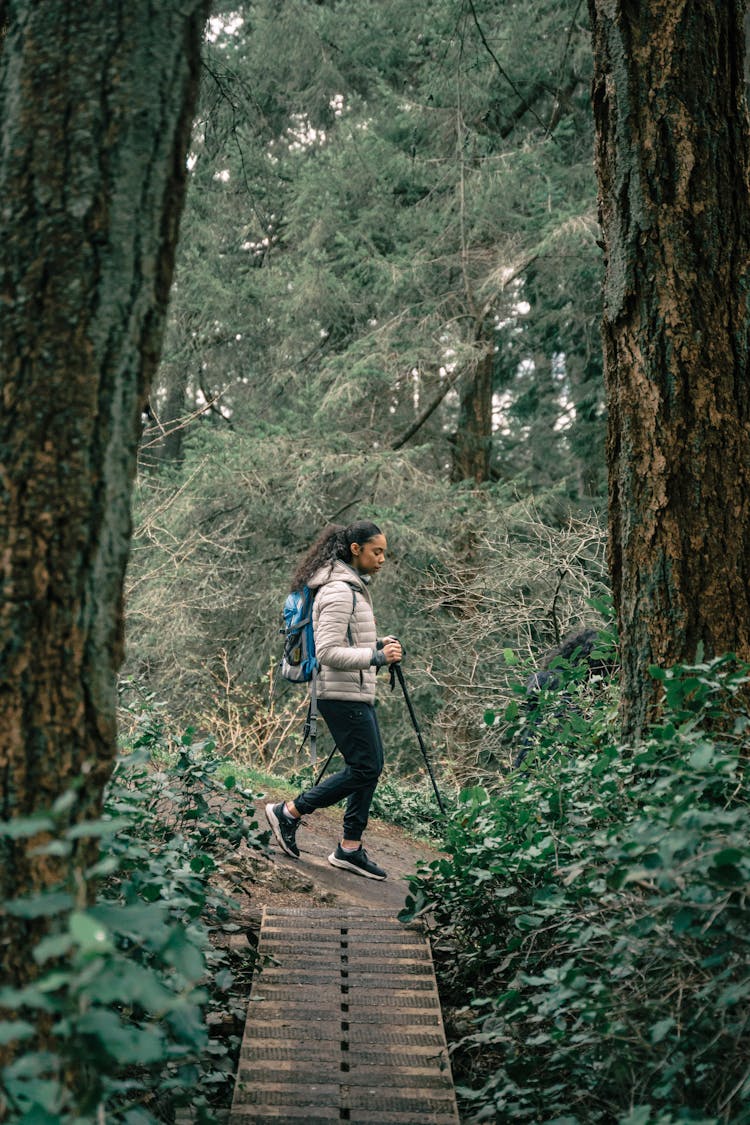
(573, 698)
(413, 807)
(114, 1026)
(595, 913)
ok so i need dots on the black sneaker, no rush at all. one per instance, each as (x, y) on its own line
(284, 829)
(356, 861)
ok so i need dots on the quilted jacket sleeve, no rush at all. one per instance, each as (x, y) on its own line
(332, 646)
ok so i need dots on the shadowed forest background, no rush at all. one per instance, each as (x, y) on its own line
(478, 272)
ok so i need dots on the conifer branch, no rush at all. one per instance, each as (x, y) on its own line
(500, 68)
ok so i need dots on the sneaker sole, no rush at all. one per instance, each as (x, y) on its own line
(273, 821)
(332, 859)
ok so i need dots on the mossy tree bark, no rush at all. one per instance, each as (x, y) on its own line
(672, 162)
(96, 105)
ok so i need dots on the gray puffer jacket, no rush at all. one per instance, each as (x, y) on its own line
(345, 634)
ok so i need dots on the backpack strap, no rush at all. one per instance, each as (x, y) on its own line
(349, 626)
(313, 717)
(310, 729)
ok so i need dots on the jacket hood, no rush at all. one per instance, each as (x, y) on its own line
(338, 571)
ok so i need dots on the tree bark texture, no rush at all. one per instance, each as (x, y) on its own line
(473, 444)
(96, 105)
(672, 162)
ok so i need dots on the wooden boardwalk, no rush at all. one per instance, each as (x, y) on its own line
(344, 1024)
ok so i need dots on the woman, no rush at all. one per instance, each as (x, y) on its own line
(338, 568)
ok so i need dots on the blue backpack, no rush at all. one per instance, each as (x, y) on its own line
(298, 661)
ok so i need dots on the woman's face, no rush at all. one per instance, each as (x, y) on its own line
(368, 557)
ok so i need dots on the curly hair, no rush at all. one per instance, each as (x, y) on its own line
(334, 542)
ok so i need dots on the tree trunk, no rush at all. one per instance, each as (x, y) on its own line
(161, 441)
(96, 104)
(672, 162)
(473, 444)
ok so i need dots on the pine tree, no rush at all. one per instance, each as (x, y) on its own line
(392, 217)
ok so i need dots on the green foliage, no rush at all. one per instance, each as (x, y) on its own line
(577, 703)
(379, 195)
(114, 1023)
(595, 914)
(412, 806)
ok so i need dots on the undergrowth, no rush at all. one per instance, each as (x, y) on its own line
(117, 1024)
(591, 923)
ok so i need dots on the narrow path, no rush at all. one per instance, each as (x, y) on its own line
(312, 881)
(344, 1023)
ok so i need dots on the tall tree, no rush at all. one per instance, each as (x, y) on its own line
(372, 185)
(673, 160)
(96, 107)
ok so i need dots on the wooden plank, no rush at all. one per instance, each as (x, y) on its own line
(343, 1024)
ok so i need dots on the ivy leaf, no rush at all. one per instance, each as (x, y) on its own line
(224, 980)
(14, 1031)
(146, 922)
(101, 827)
(661, 1029)
(54, 847)
(55, 945)
(202, 862)
(24, 826)
(41, 905)
(128, 1045)
(64, 803)
(32, 1065)
(185, 956)
(130, 984)
(702, 757)
(29, 997)
(684, 919)
(47, 1097)
(188, 1026)
(88, 933)
(728, 857)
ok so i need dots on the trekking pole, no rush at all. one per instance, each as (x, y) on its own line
(326, 764)
(395, 671)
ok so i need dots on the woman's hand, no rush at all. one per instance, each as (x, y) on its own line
(392, 650)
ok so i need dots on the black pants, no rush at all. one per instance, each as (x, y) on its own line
(354, 728)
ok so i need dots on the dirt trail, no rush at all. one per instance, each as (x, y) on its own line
(280, 880)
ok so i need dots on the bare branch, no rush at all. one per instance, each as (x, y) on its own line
(427, 412)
